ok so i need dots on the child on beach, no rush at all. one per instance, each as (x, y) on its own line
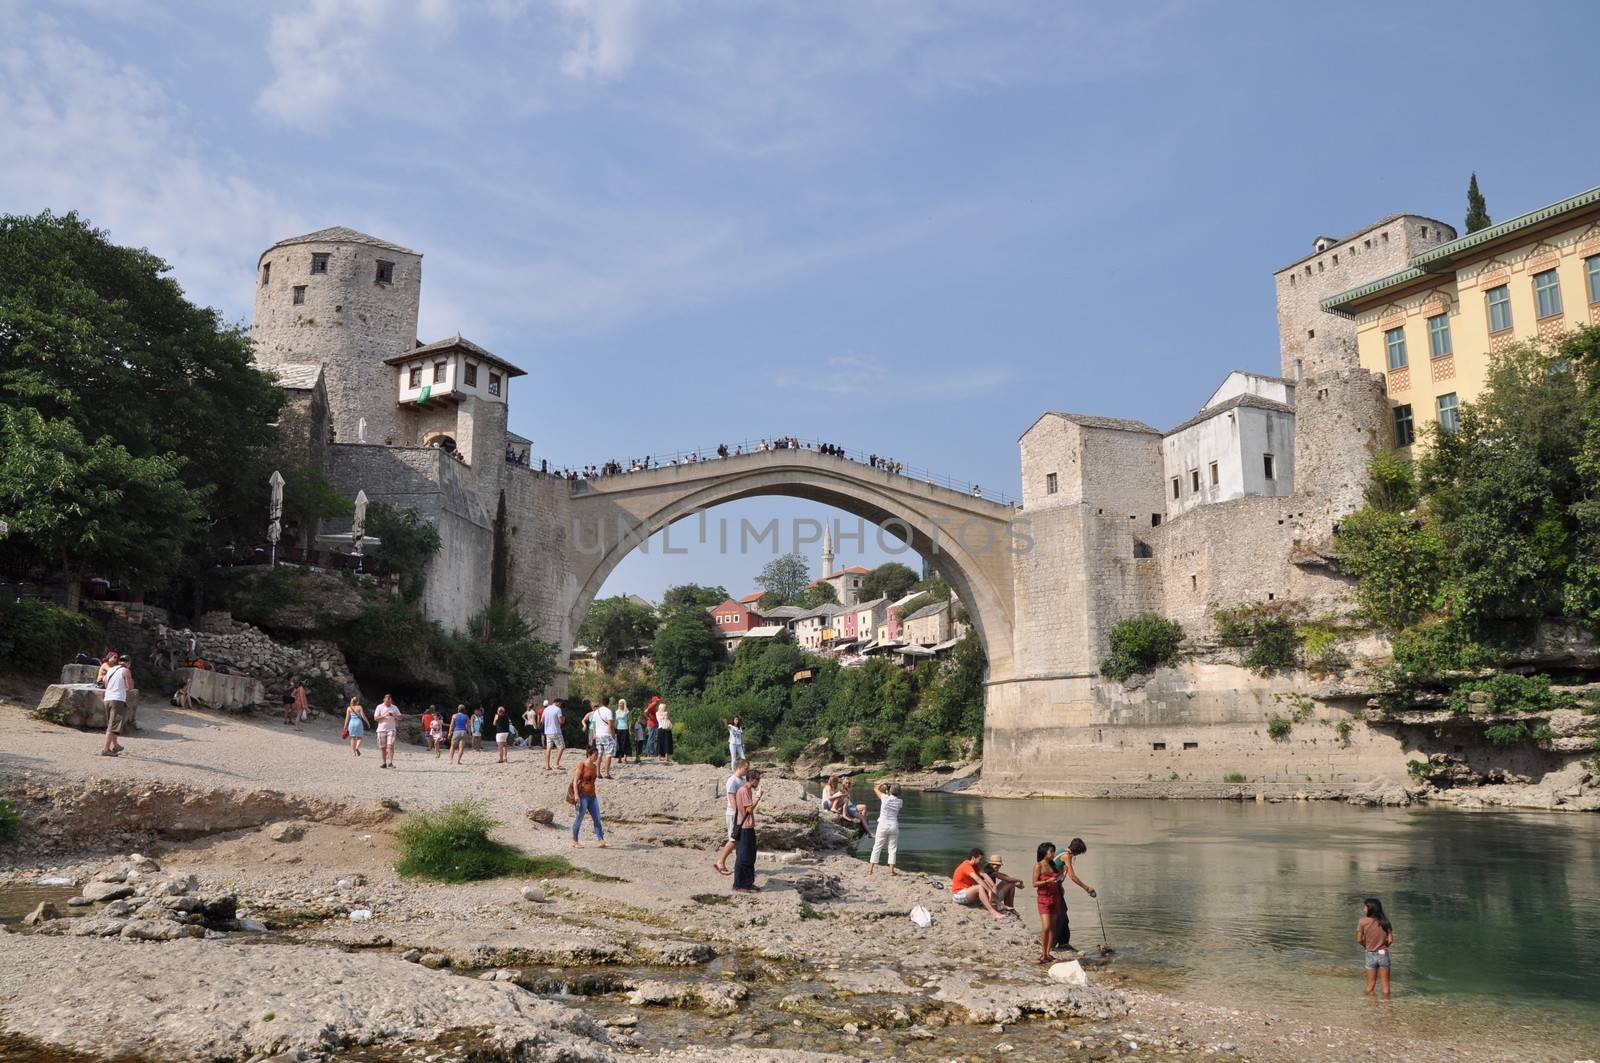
(1376, 936)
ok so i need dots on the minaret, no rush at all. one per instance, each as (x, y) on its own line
(827, 551)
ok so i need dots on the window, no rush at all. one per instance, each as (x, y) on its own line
(472, 374)
(1547, 293)
(1049, 483)
(1292, 279)
(438, 372)
(319, 263)
(1269, 466)
(266, 273)
(1155, 520)
(1424, 230)
(1499, 302)
(1449, 413)
(415, 379)
(1335, 260)
(494, 383)
(1404, 432)
(1194, 480)
(1174, 487)
(1311, 333)
(299, 294)
(1394, 341)
(1158, 746)
(1439, 335)
(385, 274)
(1213, 474)
(1384, 237)
(1191, 745)
(1591, 266)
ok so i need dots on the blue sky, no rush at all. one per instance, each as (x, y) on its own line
(908, 227)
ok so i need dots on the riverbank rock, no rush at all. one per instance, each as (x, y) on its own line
(81, 705)
(714, 998)
(816, 886)
(1069, 973)
(993, 1001)
(43, 912)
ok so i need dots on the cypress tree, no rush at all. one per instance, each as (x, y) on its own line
(1477, 209)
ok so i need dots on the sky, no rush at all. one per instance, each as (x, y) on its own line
(905, 226)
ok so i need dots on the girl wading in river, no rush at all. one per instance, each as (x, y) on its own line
(1376, 936)
(1047, 880)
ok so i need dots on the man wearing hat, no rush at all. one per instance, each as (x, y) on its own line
(119, 684)
(1005, 887)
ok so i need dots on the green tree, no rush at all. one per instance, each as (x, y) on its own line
(686, 649)
(407, 544)
(308, 497)
(818, 594)
(101, 337)
(92, 505)
(1477, 209)
(692, 595)
(889, 580)
(1142, 644)
(783, 578)
(615, 626)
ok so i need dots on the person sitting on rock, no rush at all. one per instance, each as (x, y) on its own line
(970, 886)
(1005, 886)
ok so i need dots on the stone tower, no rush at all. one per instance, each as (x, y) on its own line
(345, 301)
(827, 551)
(1311, 341)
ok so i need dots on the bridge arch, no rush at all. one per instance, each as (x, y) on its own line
(967, 540)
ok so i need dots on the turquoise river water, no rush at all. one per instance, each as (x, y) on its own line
(1496, 915)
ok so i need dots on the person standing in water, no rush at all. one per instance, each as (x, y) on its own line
(1376, 936)
(1063, 864)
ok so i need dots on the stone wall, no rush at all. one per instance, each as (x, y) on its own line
(1311, 341)
(348, 322)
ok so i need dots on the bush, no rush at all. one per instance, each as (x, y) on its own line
(10, 822)
(1545, 733)
(1508, 734)
(1418, 770)
(1343, 729)
(903, 754)
(1141, 644)
(1278, 727)
(1400, 562)
(453, 845)
(1320, 646)
(790, 748)
(934, 749)
(1277, 647)
(1509, 692)
(37, 639)
(1235, 777)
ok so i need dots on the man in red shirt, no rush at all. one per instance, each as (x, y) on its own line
(969, 885)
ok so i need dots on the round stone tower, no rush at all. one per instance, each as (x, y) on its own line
(345, 301)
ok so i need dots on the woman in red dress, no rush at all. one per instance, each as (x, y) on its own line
(1047, 880)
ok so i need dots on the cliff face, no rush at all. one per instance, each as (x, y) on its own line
(1210, 726)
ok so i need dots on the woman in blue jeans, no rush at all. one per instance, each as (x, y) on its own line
(581, 794)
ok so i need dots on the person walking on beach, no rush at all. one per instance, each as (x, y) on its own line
(458, 735)
(601, 723)
(355, 725)
(299, 704)
(1063, 863)
(531, 719)
(888, 832)
(730, 790)
(436, 734)
(387, 714)
(1047, 880)
(119, 684)
(475, 725)
(582, 796)
(735, 741)
(1375, 934)
(553, 738)
(745, 803)
(969, 885)
(638, 735)
(502, 733)
(664, 732)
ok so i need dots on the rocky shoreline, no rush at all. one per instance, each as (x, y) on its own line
(241, 930)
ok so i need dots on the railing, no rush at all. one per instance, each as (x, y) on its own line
(812, 446)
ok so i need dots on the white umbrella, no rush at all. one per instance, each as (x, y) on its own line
(275, 513)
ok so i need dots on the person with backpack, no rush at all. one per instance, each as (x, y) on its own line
(1375, 934)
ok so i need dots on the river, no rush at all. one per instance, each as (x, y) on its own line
(1496, 915)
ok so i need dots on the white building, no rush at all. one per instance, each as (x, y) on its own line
(1240, 443)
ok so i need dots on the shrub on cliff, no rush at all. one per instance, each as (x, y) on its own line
(904, 754)
(37, 639)
(1141, 644)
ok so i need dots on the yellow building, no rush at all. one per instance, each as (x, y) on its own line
(1431, 328)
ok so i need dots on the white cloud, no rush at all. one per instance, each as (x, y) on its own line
(89, 134)
(607, 38)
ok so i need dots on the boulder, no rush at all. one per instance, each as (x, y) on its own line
(286, 832)
(1069, 973)
(79, 673)
(80, 705)
(542, 816)
(44, 912)
(818, 886)
(107, 891)
(534, 894)
(155, 930)
(143, 864)
(715, 998)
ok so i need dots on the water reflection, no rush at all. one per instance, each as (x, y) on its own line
(1497, 916)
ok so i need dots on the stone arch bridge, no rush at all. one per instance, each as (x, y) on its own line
(970, 541)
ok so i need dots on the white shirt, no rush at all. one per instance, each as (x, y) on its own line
(732, 786)
(118, 681)
(602, 720)
(387, 715)
(889, 811)
(552, 719)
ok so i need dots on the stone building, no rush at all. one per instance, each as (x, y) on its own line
(1432, 326)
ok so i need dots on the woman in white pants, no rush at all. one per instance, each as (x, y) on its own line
(888, 833)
